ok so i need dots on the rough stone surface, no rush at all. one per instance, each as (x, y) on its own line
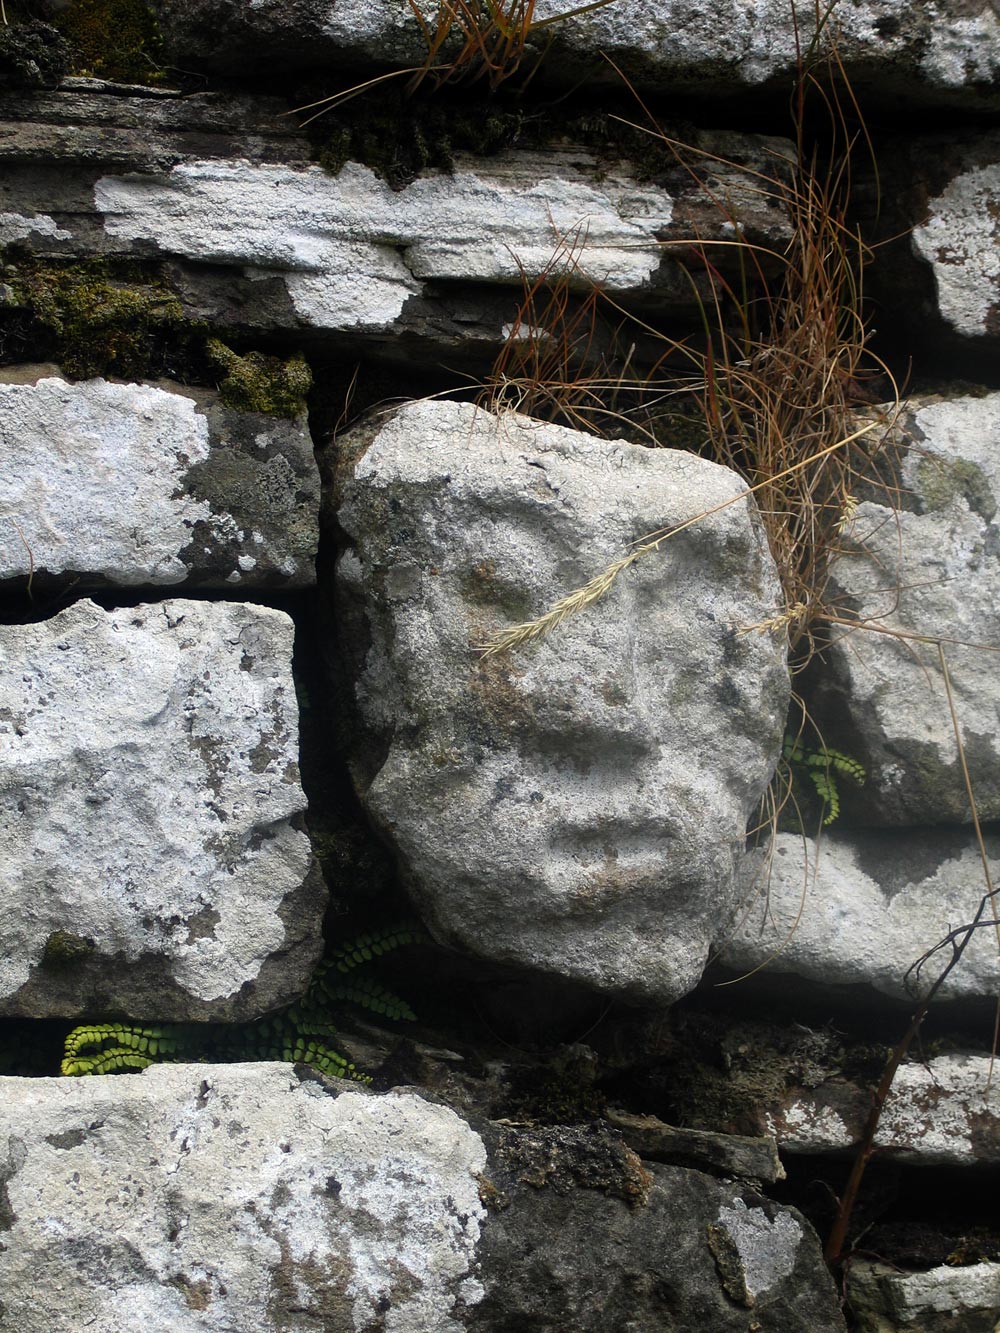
(578, 1239)
(944, 1113)
(941, 1300)
(150, 777)
(134, 484)
(260, 238)
(734, 1154)
(578, 807)
(946, 48)
(353, 251)
(863, 907)
(233, 1197)
(959, 236)
(931, 569)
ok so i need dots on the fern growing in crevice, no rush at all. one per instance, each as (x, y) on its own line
(302, 1033)
(822, 766)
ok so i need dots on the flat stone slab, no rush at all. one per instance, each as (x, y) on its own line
(260, 237)
(942, 1113)
(214, 1197)
(138, 484)
(940, 1300)
(949, 50)
(925, 568)
(353, 251)
(148, 860)
(862, 907)
(580, 806)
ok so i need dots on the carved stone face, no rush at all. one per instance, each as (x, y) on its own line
(577, 806)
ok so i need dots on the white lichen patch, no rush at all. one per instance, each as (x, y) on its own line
(17, 227)
(767, 1249)
(965, 49)
(148, 761)
(353, 250)
(961, 241)
(91, 480)
(218, 1197)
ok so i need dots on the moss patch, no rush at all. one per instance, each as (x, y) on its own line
(95, 322)
(259, 383)
(32, 55)
(399, 137)
(63, 949)
(113, 39)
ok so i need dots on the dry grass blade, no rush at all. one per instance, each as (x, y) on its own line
(783, 367)
(516, 636)
(468, 40)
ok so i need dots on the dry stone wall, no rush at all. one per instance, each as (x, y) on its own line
(257, 523)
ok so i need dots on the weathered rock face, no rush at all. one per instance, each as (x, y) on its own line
(862, 908)
(259, 238)
(958, 236)
(940, 1113)
(134, 484)
(221, 1197)
(149, 861)
(941, 1300)
(579, 807)
(946, 49)
(244, 1196)
(583, 1239)
(930, 569)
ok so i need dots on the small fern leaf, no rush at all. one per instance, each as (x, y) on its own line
(368, 994)
(373, 945)
(114, 1060)
(847, 767)
(826, 786)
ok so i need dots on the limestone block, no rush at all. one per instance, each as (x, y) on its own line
(948, 49)
(352, 251)
(861, 907)
(885, 1299)
(942, 1113)
(930, 569)
(579, 807)
(215, 1197)
(149, 863)
(135, 484)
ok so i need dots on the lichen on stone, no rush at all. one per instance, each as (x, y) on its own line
(259, 383)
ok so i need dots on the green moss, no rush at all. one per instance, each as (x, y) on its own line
(259, 383)
(942, 480)
(63, 948)
(399, 137)
(95, 323)
(32, 55)
(113, 39)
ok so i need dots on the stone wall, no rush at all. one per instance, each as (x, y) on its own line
(303, 402)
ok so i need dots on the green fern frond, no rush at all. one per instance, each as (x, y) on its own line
(821, 765)
(366, 947)
(112, 1047)
(301, 1033)
(366, 993)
